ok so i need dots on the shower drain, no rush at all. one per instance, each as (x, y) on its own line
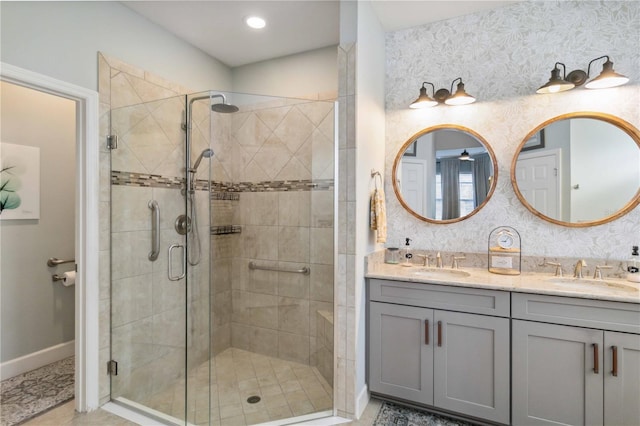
(253, 399)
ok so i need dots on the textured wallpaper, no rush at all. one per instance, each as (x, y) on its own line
(503, 56)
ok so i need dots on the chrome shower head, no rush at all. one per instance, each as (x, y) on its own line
(224, 108)
(207, 153)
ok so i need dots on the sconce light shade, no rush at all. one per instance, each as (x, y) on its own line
(460, 97)
(423, 100)
(556, 83)
(607, 78)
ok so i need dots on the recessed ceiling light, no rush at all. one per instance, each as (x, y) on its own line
(255, 22)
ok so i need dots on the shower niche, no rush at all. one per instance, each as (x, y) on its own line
(238, 179)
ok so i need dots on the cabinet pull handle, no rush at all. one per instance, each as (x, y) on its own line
(426, 332)
(614, 350)
(596, 362)
(439, 333)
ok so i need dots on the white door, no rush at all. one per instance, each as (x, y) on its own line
(413, 184)
(538, 180)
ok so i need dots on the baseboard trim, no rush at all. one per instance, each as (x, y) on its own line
(362, 401)
(36, 359)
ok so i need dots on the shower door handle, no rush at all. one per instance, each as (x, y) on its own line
(183, 263)
(155, 230)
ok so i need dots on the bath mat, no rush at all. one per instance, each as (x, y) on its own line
(397, 415)
(29, 394)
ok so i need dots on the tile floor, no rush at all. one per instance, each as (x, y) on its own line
(65, 415)
(286, 389)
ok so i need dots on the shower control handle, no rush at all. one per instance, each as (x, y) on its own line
(183, 262)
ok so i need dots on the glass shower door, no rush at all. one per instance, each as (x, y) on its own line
(152, 304)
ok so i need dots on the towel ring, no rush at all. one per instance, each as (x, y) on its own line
(374, 174)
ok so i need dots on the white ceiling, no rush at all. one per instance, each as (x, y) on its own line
(217, 26)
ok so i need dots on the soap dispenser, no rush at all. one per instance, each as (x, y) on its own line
(633, 273)
(405, 254)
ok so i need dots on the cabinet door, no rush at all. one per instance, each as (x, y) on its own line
(621, 379)
(471, 365)
(554, 377)
(400, 352)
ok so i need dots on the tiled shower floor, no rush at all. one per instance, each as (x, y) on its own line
(286, 389)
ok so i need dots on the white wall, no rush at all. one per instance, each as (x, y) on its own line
(36, 312)
(370, 130)
(597, 146)
(302, 75)
(62, 39)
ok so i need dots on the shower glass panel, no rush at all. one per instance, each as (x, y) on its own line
(159, 276)
(272, 259)
(246, 335)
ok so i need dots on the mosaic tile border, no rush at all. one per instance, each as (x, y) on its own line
(158, 181)
(226, 229)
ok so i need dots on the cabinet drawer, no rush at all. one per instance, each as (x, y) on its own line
(464, 299)
(605, 315)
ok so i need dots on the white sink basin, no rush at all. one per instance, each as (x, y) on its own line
(437, 273)
(587, 284)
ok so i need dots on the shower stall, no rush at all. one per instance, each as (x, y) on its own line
(222, 258)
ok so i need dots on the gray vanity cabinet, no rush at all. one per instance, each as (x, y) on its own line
(575, 361)
(456, 361)
(622, 380)
(471, 365)
(553, 376)
(401, 352)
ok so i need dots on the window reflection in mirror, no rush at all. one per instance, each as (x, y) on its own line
(444, 174)
(586, 172)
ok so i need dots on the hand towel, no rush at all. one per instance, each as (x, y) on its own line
(379, 215)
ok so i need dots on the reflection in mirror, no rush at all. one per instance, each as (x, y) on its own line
(444, 174)
(579, 169)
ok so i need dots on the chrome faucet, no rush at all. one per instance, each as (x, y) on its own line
(454, 261)
(425, 259)
(577, 272)
(438, 260)
(557, 265)
(597, 274)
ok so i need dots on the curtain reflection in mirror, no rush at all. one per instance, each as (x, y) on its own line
(482, 175)
(450, 172)
(461, 185)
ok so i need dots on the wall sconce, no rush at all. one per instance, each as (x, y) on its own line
(460, 97)
(607, 78)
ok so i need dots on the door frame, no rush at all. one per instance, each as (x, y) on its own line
(86, 228)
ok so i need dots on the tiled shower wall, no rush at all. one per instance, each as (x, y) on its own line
(147, 310)
(280, 156)
(284, 225)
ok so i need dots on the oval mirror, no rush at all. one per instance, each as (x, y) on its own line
(579, 169)
(444, 174)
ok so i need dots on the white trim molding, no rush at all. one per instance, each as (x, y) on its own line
(362, 401)
(87, 224)
(37, 359)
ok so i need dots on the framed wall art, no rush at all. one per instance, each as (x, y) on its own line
(19, 182)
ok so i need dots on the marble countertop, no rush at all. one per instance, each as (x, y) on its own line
(613, 289)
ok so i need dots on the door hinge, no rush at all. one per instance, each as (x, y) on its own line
(112, 142)
(112, 368)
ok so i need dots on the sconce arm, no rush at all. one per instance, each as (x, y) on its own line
(592, 61)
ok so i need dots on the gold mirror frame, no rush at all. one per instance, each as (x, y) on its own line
(627, 127)
(412, 139)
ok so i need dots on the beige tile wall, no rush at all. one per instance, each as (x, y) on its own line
(148, 310)
(268, 312)
(344, 314)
